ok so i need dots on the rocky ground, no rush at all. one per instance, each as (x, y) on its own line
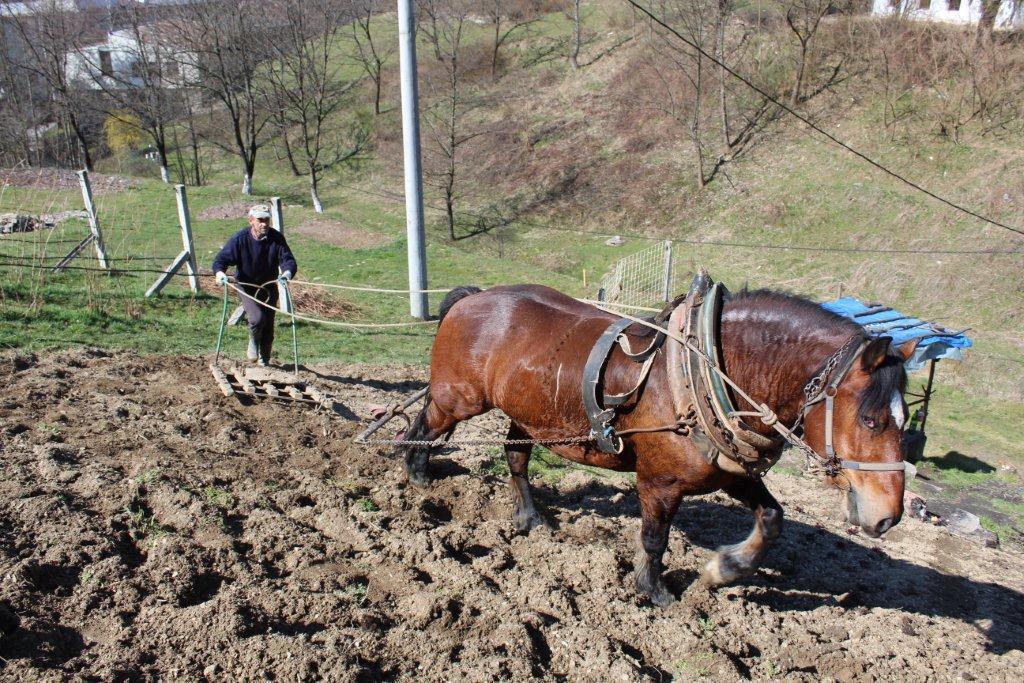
(152, 528)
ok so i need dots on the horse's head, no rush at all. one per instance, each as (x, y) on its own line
(867, 427)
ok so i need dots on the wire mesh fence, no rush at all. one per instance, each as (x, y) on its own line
(643, 278)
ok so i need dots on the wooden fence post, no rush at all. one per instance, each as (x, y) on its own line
(276, 215)
(187, 257)
(95, 236)
(666, 288)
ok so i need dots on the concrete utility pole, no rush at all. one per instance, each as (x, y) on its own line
(413, 169)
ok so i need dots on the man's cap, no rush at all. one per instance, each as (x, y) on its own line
(259, 211)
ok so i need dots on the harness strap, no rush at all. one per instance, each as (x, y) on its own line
(830, 451)
(876, 466)
(601, 407)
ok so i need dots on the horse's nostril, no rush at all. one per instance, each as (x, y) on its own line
(884, 525)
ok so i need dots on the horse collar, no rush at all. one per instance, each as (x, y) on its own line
(699, 392)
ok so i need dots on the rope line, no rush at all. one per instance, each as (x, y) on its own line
(355, 288)
(770, 98)
(323, 321)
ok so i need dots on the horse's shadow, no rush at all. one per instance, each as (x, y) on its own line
(811, 566)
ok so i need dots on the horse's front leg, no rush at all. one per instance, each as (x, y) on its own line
(659, 500)
(732, 562)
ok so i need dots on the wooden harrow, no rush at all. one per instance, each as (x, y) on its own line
(262, 383)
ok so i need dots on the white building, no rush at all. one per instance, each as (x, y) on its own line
(121, 61)
(1009, 16)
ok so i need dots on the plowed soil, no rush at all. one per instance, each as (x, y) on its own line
(152, 528)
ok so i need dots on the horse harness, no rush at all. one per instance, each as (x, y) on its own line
(703, 406)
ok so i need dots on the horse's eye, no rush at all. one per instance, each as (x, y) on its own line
(869, 422)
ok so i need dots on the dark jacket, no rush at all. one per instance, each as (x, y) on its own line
(257, 261)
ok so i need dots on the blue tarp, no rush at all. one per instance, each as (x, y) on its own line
(936, 341)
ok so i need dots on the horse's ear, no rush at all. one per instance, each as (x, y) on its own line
(874, 353)
(906, 349)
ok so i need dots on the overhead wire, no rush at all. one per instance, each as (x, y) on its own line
(708, 242)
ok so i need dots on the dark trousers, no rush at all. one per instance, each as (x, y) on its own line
(261, 319)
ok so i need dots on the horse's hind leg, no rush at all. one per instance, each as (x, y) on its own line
(431, 423)
(735, 561)
(524, 514)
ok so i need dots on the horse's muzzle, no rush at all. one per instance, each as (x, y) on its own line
(853, 514)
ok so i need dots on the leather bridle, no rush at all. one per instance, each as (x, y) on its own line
(823, 387)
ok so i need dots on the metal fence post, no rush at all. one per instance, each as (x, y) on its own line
(666, 289)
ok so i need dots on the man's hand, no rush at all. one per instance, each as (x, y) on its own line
(284, 277)
(222, 277)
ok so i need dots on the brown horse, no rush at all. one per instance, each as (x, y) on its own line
(522, 349)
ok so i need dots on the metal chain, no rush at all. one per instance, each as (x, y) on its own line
(474, 442)
(813, 388)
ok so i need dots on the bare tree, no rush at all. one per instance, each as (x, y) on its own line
(226, 42)
(146, 94)
(18, 107)
(372, 54)
(304, 88)
(195, 174)
(725, 8)
(451, 102)
(48, 33)
(987, 21)
(804, 18)
(427, 15)
(580, 38)
(574, 47)
(682, 72)
(509, 19)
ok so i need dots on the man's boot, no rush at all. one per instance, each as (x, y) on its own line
(253, 352)
(266, 344)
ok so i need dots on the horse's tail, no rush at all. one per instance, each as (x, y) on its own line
(453, 297)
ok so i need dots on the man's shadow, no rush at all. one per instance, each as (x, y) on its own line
(814, 566)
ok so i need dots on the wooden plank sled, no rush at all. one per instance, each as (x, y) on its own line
(264, 383)
(222, 380)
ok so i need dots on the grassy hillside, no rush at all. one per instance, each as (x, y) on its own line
(564, 153)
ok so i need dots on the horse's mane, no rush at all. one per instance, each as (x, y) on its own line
(799, 311)
(792, 316)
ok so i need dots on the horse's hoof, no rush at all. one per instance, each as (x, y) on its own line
(721, 569)
(661, 597)
(420, 480)
(526, 523)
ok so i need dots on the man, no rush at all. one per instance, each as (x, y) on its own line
(260, 255)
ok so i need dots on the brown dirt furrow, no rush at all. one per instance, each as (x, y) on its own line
(152, 528)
